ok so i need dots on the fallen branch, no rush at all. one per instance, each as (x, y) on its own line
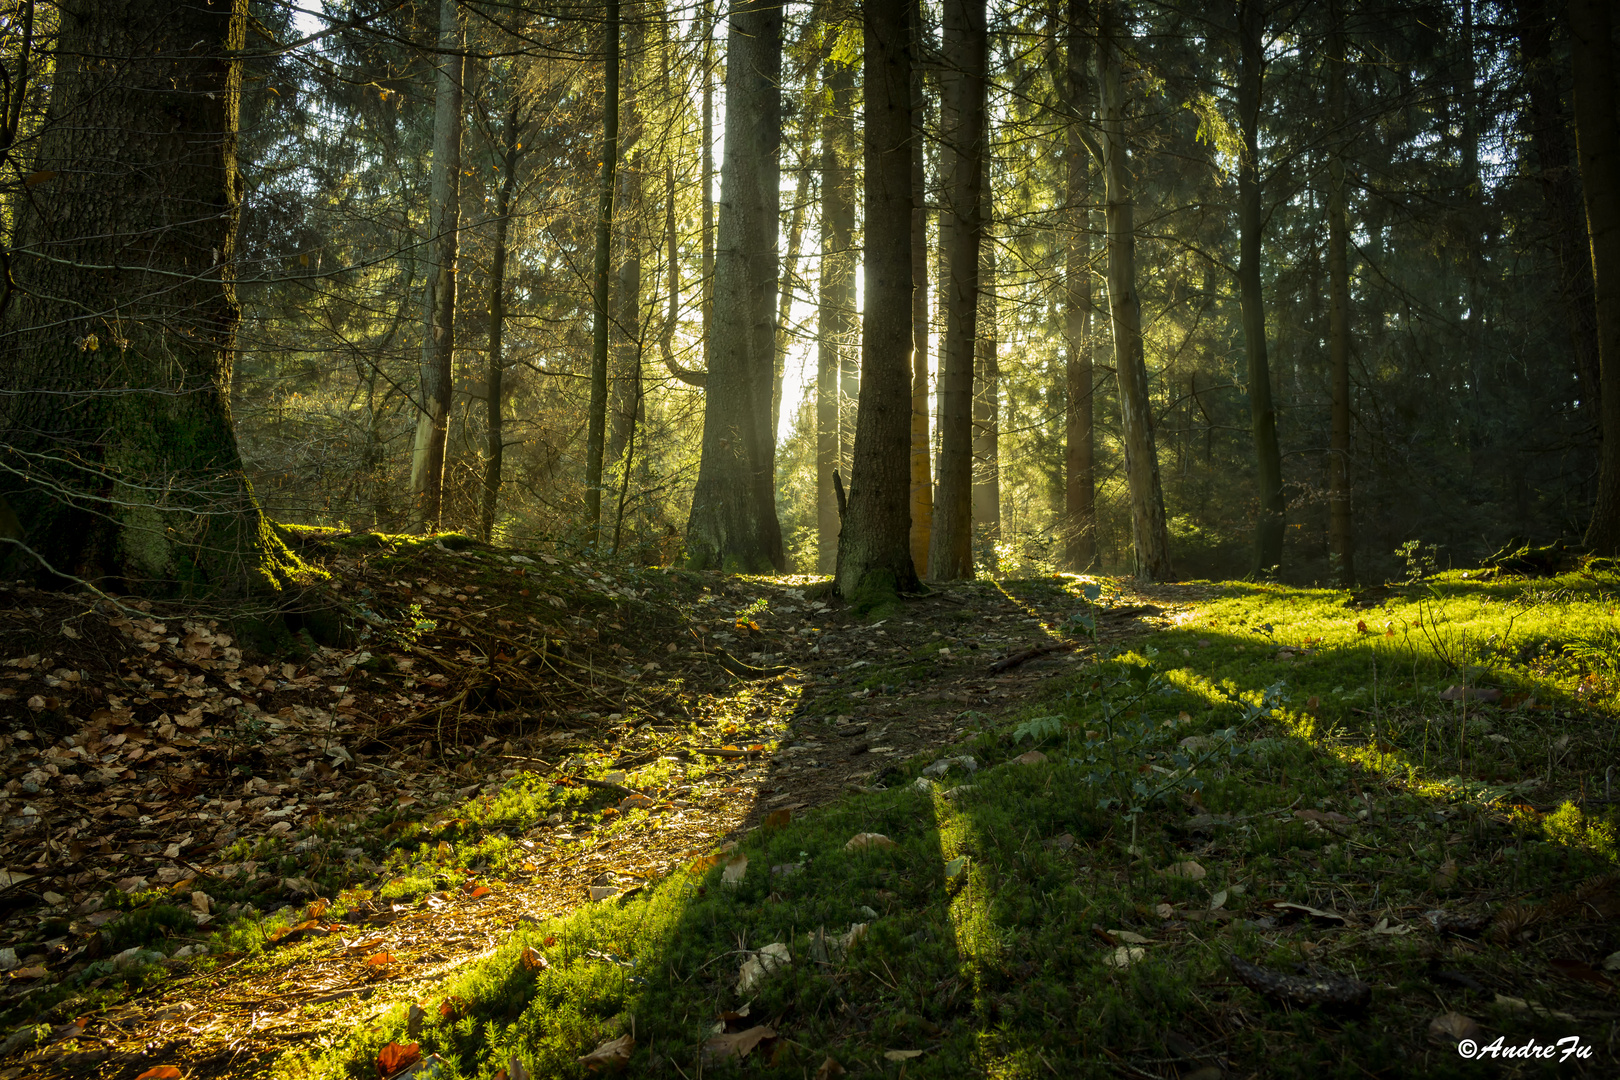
(1009, 662)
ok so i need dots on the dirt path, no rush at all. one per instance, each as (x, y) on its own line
(825, 705)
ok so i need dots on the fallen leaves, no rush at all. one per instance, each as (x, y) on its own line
(761, 965)
(613, 1054)
(162, 1072)
(1449, 1028)
(736, 867)
(735, 1045)
(1188, 870)
(868, 840)
(395, 1058)
(533, 961)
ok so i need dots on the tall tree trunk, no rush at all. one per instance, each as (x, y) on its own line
(706, 168)
(439, 296)
(624, 378)
(1561, 196)
(835, 300)
(784, 296)
(1149, 533)
(1269, 524)
(495, 446)
(874, 550)
(922, 485)
(987, 405)
(596, 421)
(966, 54)
(1598, 145)
(1341, 529)
(141, 490)
(733, 524)
(1080, 487)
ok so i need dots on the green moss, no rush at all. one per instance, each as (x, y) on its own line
(877, 596)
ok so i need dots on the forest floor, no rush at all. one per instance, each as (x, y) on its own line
(504, 821)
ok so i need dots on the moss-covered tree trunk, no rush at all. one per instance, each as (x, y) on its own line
(874, 550)
(115, 433)
(733, 524)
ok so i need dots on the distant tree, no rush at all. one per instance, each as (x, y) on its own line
(1149, 531)
(1080, 487)
(1341, 523)
(601, 276)
(116, 447)
(874, 549)
(835, 289)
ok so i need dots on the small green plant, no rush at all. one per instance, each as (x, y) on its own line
(1038, 729)
(1083, 623)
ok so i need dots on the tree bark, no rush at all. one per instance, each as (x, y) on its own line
(1149, 533)
(784, 296)
(439, 295)
(495, 445)
(1080, 487)
(922, 485)
(1561, 197)
(733, 524)
(835, 300)
(596, 421)
(966, 54)
(874, 551)
(1598, 146)
(626, 329)
(116, 449)
(987, 406)
(1270, 522)
(1341, 526)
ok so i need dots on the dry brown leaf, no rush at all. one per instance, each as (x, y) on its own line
(734, 871)
(738, 1044)
(1189, 870)
(1445, 878)
(1453, 1028)
(161, 1072)
(533, 961)
(613, 1054)
(1030, 757)
(902, 1055)
(829, 1069)
(379, 961)
(395, 1058)
(1125, 956)
(865, 840)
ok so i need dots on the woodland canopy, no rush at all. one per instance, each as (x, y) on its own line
(1179, 289)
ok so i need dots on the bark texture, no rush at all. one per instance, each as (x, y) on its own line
(987, 408)
(1598, 145)
(1079, 481)
(495, 360)
(1269, 519)
(835, 300)
(733, 524)
(965, 46)
(874, 550)
(439, 293)
(596, 420)
(116, 447)
(922, 483)
(1341, 525)
(1149, 533)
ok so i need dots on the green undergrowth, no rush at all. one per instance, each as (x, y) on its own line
(1072, 903)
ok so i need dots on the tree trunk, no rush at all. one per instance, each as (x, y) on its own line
(835, 300)
(1080, 487)
(1269, 524)
(1341, 531)
(626, 329)
(439, 295)
(874, 550)
(987, 407)
(966, 53)
(1597, 143)
(596, 422)
(495, 447)
(115, 430)
(1150, 536)
(922, 485)
(784, 296)
(733, 525)
(1561, 197)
